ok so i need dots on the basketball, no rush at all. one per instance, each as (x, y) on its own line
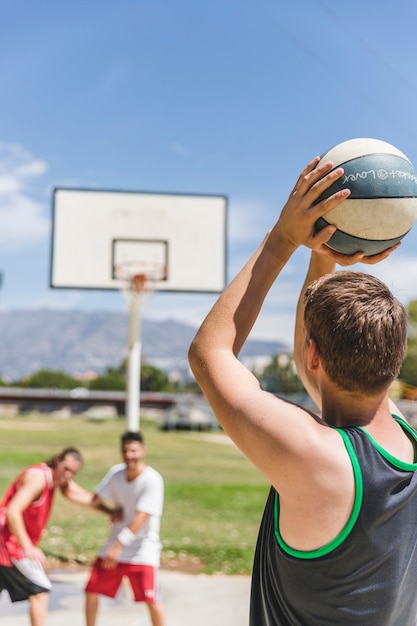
(382, 206)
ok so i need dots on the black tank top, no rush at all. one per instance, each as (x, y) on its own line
(367, 576)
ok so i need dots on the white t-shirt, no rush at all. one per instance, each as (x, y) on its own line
(144, 493)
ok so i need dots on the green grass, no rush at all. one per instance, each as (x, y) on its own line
(214, 498)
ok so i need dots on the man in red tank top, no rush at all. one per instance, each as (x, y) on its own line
(24, 513)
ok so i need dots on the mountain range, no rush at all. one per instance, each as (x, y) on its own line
(78, 341)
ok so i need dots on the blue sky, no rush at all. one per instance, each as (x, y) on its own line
(223, 97)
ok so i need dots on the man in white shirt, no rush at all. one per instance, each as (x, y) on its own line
(133, 547)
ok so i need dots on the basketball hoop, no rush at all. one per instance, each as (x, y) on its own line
(139, 278)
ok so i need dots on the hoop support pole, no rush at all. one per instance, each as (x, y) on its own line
(133, 366)
(136, 277)
(133, 392)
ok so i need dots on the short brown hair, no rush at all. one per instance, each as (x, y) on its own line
(131, 435)
(360, 330)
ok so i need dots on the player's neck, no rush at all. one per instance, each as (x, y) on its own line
(344, 408)
(134, 470)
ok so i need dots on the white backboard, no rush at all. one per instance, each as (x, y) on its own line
(93, 230)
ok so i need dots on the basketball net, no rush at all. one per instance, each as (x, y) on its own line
(138, 280)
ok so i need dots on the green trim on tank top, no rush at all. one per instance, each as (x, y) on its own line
(339, 539)
(389, 457)
(313, 554)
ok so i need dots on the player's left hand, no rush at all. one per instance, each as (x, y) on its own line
(346, 259)
(116, 515)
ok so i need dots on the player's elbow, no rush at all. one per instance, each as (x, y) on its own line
(195, 359)
(202, 360)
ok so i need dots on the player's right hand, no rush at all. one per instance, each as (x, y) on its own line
(36, 554)
(298, 217)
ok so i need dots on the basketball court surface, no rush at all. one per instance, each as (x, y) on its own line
(188, 600)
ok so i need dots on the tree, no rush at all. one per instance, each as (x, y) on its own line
(114, 379)
(111, 380)
(153, 379)
(46, 379)
(408, 372)
(280, 376)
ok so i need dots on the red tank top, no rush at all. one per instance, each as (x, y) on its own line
(35, 516)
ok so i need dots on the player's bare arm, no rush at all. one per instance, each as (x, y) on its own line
(104, 506)
(77, 494)
(272, 433)
(29, 491)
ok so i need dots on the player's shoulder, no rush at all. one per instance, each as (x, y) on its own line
(116, 471)
(39, 471)
(153, 474)
(37, 467)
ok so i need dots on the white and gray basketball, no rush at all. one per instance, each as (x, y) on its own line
(382, 207)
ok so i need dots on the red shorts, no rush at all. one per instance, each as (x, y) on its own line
(143, 580)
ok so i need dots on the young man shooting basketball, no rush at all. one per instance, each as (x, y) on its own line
(338, 540)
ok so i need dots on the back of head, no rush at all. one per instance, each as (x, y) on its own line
(360, 330)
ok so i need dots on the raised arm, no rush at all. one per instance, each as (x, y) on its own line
(320, 264)
(266, 429)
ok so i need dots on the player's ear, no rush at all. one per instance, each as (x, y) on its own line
(313, 357)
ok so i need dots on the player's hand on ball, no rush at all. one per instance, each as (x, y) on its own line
(300, 213)
(346, 260)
